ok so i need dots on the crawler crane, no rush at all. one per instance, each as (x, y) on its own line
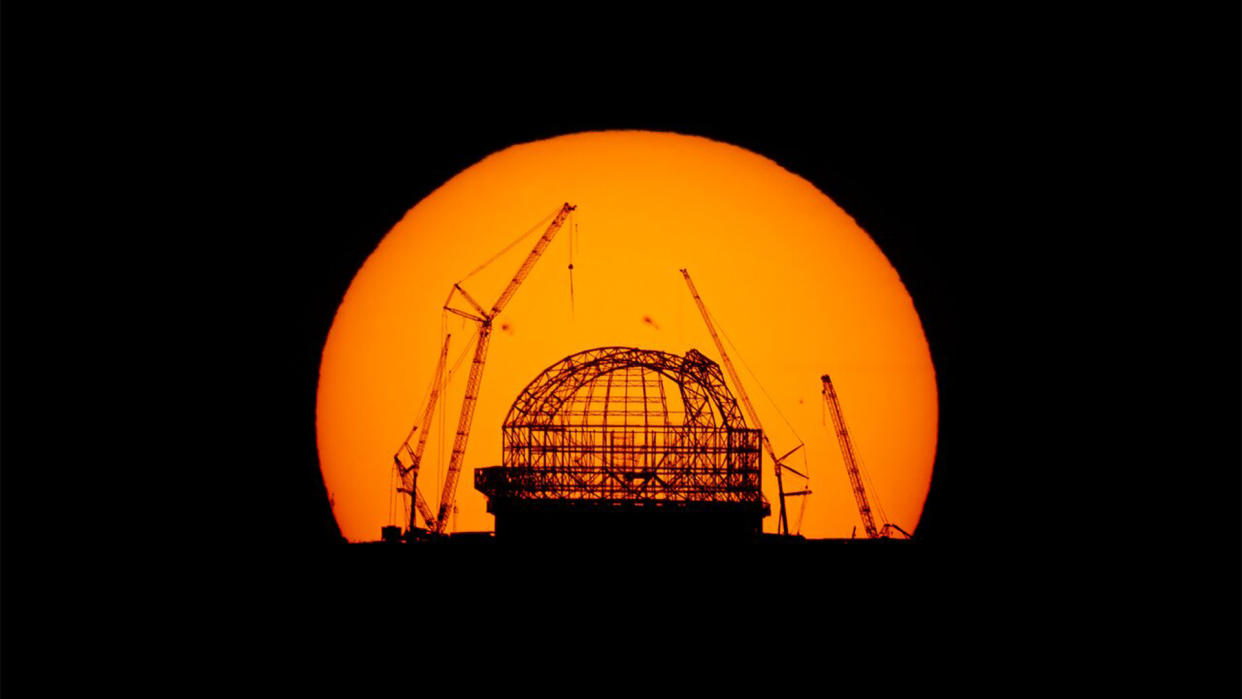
(851, 467)
(408, 474)
(485, 319)
(778, 462)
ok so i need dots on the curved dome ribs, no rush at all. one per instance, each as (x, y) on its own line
(698, 377)
(603, 425)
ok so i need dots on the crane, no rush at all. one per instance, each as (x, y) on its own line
(409, 474)
(851, 466)
(484, 318)
(778, 462)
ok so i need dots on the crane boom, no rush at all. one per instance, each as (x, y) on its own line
(480, 357)
(463, 426)
(409, 474)
(423, 508)
(531, 259)
(847, 454)
(750, 408)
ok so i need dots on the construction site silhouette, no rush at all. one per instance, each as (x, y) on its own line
(613, 444)
(620, 441)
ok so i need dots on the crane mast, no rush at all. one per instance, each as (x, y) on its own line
(484, 318)
(851, 462)
(750, 408)
(409, 474)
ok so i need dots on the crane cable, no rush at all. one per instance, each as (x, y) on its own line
(470, 343)
(405, 445)
(571, 268)
(510, 246)
(426, 397)
(874, 499)
(448, 376)
(738, 352)
(442, 408)
(444, 330)
(875, 495)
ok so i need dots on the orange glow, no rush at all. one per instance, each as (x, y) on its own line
(791, 279)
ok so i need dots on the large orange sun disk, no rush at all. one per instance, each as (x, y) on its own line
(797, 286)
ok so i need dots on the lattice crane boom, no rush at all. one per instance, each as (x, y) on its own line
(741, 392)
(847, 455)
(475, 380)
(424, 509)
(409, 473)
(463, 426)
(529, 263)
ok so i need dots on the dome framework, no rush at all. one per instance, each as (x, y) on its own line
(622, 428)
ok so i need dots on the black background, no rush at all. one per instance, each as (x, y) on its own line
(1058, 193)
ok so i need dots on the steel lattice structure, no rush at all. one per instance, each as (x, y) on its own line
(620, 426)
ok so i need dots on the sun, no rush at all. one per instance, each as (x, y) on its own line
(797, 288)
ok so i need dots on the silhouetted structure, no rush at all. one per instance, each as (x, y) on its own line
(853, 469)
(630, 443)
